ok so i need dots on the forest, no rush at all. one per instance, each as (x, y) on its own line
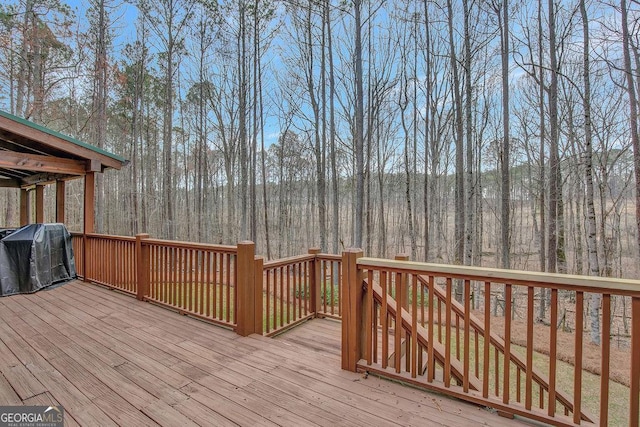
(476, 132)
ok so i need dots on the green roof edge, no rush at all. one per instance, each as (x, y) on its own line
(62, 136)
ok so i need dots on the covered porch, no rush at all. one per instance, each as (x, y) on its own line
(33, 157)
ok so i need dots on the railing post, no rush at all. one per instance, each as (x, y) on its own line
(258, 296)
(142, 266)
(245, 289)
(352, 328)
(315, 283)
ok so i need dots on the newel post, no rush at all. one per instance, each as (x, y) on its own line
(315, 283)
(143, 266)
(245, 289)
(352, 315)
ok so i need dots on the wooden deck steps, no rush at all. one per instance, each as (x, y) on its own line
(112, 360)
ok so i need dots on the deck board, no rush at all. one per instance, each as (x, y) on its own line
(112, 360)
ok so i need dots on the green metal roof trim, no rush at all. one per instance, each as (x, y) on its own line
(62, 136)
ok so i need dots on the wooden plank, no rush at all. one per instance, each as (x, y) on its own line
(85, 370)
(304, 402)
(225, 407)
(121, 411)
(8, 395)
(46, 399)
(202, 415)
(164, 414)
(152, 384)
(24, 383)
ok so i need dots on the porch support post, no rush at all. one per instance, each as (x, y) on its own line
(60, 201)
(39, 204)
(89, 201)
(24, 207)
(88, 227)
(352, 313)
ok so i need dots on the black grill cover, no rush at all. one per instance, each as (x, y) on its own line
(34, 257)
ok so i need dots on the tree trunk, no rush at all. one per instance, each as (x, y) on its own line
(358, 136)
(633, 115)
(505, 208)
(554, 157)
(459, 174)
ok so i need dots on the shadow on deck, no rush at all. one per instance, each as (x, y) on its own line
(112, 360)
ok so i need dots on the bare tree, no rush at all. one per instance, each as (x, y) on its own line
(168, 19)
(459, 143)
(358, 134)
(633, 110)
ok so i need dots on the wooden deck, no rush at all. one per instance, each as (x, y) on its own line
(112, 360)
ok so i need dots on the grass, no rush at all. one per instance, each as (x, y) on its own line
(193, 293)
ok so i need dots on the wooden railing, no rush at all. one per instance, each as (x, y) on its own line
(194, 279)
(288, 292)
(204, 281)
(226, 285)
(111, 261)
(299, 288)
(401, 321)
(77, 241)
(330, 285)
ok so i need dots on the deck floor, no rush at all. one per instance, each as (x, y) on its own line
(112, 360)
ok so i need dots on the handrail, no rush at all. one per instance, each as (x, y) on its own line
(628, 287)
(110, 237)
(329, 257)
(191, 245)
(289, 260)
